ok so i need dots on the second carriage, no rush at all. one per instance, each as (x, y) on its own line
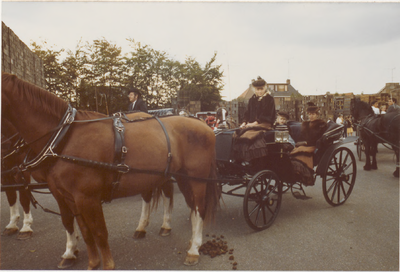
(262, 185)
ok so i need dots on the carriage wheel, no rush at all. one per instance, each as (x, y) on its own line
(262, 200)
(340, 176)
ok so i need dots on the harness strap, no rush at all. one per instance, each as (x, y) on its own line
(120, 151)
(169, 156)
(48, 150)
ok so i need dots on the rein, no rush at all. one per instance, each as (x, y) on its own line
(363, 126)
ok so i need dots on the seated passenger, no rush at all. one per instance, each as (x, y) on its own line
(210, 120)
(249, 141)
(302, 155)
(281, 124)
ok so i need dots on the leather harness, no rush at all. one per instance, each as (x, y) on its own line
(120, 150)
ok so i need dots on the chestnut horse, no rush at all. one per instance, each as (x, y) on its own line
(79, 189)
(377, 129)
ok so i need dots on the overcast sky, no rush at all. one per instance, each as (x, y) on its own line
(320, 47)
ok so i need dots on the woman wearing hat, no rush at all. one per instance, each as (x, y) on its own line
(135, 97)
(249, 142)
(302, 154)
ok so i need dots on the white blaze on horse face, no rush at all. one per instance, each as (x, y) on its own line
(28, 220)
(224, 116)
(144, 217)
(167, 213)
(72, 244)
(14, 217)
(197, 232)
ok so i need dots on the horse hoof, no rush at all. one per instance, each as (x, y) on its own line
(25, 235)
(139, 234)
(396, 173)
(8, 232)
(374, 167)
(367, 168)
(191, 259)
(66, 263)
(164, 232)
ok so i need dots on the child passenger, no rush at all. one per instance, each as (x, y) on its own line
(281, 124)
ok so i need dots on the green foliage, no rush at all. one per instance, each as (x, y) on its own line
(96, 76)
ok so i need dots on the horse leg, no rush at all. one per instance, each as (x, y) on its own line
(198, 209)
(168, 192)
(93, 227)
(192, 256)
(69, 256)
(12, 227)
(67, 218)
(374, 150)
(396, 172)
(367, 165)
(144, 217)
(26, 231)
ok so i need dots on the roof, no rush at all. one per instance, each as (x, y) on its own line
(246, 95)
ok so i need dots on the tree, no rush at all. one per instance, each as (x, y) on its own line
(203, 84)
(53, 70)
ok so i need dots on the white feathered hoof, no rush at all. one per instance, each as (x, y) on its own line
(66, 263)
(139, 234)
(25, 235)
(164, 232)
(11, 231)
(191, 259)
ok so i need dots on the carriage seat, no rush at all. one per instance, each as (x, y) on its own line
(332, 133)
(294, 130)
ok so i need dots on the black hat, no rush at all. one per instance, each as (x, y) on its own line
(259, 82)
(135, 90)
(312, 108)
(284, 114)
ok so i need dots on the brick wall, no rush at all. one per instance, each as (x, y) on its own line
(19, 60)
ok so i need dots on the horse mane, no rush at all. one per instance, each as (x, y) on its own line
(364, 106)
(36, 96)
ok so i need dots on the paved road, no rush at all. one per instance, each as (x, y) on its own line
(362, 234)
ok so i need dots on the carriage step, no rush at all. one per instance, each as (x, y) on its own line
(298, 195)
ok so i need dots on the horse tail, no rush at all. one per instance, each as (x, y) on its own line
(168, 189)
(213, 194)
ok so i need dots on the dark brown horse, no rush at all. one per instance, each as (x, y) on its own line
(11, 156)
(10, 139)
(377, 129)
(79, 189)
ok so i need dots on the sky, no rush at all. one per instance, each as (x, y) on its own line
(321, 47)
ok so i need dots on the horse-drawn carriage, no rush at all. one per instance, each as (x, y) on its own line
(262, 185)
(373, 129)
(87, 158)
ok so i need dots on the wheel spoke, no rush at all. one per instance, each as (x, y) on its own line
(256, 207)
(334, 191)
(340, 158)
(345, 159)
(347, 166)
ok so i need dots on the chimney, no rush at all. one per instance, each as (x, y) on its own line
(288, 81)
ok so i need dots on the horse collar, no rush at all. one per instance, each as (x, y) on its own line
(55, 139)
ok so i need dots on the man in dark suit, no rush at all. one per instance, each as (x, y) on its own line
(135, 97)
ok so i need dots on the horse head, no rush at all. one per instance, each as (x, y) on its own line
(222, 115)
(360, 109)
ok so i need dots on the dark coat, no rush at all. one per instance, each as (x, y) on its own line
(261, 111)
(312, 131)
(140, 105)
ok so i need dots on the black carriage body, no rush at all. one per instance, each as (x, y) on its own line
(276, 160)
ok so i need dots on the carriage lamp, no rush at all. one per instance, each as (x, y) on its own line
(282, 136)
